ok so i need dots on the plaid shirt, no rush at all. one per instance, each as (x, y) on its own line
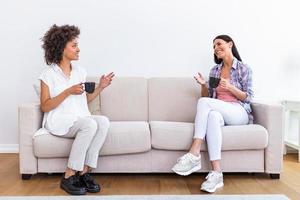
(241, 78)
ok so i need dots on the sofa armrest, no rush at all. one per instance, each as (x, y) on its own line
(30, 120)
(272, 118)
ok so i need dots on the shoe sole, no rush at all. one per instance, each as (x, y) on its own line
(93, 191)
(219, 185)
(72, 192)
(194, 169)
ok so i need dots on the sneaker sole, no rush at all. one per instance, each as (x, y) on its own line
(219, 185)
(194, 169)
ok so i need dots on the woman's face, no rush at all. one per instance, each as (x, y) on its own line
(222, 48)
(71, 51)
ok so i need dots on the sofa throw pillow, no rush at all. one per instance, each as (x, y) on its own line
(94, 106)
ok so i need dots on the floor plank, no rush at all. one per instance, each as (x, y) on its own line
(142, 184)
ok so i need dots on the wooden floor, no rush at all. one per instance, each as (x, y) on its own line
(142, 184)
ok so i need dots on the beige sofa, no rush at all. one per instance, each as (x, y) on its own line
(151, 126)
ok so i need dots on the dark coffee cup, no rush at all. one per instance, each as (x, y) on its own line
(214, 82)
(89, 87)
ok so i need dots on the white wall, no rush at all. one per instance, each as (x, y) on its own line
(149, 38)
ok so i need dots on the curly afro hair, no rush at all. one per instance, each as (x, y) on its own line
(55, 40)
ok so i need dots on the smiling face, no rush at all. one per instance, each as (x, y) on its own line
(71, 51)
(222, 48)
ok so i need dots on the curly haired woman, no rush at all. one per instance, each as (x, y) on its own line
(64, 103)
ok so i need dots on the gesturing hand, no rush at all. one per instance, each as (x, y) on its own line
(200, 79)
(106, 80)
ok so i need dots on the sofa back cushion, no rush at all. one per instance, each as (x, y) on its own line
(173, 99)
(126, 99)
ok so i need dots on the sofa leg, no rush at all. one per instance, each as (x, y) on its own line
(275, 176)
(26, 176)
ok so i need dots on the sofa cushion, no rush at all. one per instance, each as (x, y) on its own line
(179, 135)
(122, 138)
(126, 99)
(173, 99)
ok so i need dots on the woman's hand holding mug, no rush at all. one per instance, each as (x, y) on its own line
(224, 83)
(76, 89)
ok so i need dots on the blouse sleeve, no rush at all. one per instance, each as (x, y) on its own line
(247, 84)
(45, 77)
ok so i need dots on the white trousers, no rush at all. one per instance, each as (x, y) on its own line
(211, 115)
(90, 134)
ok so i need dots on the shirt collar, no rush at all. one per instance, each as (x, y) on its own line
(234, 64)
(57, 68)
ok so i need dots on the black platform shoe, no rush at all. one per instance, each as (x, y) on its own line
(88, 182)
(72, 185)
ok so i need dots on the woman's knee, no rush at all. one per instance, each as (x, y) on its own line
(215, 116)
(89, 125)
(103, 121)
(203, 101)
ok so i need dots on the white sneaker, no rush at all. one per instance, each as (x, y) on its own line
(187, 164)
(214, 180)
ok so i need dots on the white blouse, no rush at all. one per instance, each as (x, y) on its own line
(59, 120)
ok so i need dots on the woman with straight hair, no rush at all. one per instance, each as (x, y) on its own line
(225, 100)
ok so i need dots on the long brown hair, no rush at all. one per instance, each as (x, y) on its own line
(234, 50)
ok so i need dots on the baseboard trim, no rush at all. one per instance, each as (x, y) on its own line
(9, 148)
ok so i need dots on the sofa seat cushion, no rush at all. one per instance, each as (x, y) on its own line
(122, 138)
(178, 136)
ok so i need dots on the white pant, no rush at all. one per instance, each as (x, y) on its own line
(211, 115)
(90, 134)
